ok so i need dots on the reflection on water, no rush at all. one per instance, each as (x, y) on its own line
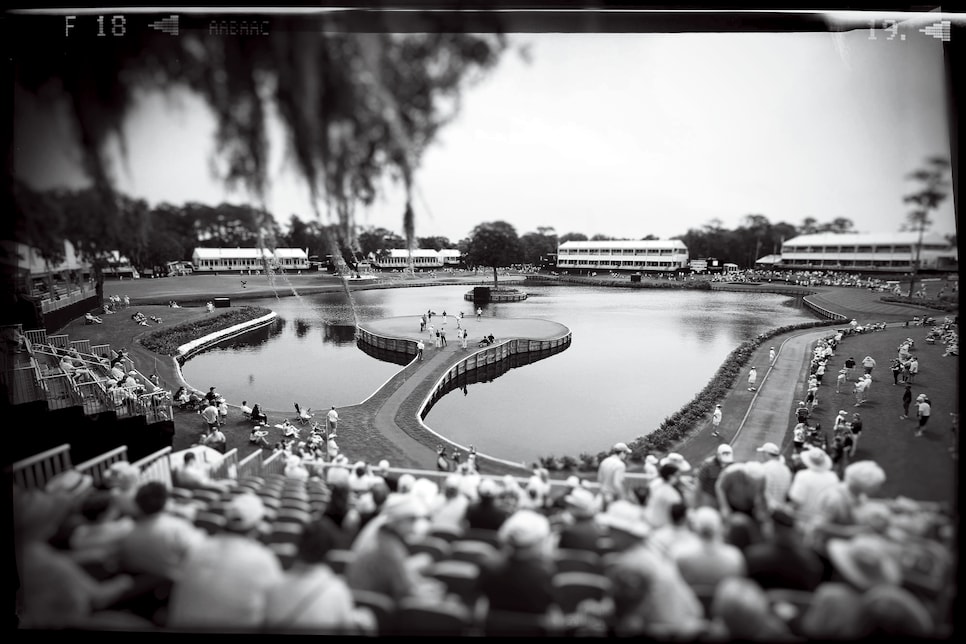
(489, 372)
(636, 357)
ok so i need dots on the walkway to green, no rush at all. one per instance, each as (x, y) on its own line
(919, 468)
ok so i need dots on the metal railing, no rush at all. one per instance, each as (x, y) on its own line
(60, 391)
(82, 346)
(251, 465)
(825, 313)
(94, 398)
(61, 341)
(227, 467)
(66, 300)
(34, 472)
(156, 467)
(23, 385)
(274, 464)
(102, 350)
(97, 466)
(36, 336)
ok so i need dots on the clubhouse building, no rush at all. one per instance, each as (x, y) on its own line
(651, 256)
(211, 260)
(868, 252)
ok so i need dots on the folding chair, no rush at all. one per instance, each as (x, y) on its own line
(482, 534)
(383, 607)
(286, 552)
(435, 547)
(289, 503)
(295, 516)
(573, 560)
(427, 617)
(478, 552)
(504, 623)
(460, 577)
(210, 522)
(339, 559)
(285, 532)
(446, 534)
(571, 588)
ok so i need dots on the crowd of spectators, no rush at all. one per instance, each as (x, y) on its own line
(711, 552)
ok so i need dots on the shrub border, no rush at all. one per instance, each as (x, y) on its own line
(168, 341)
(682, 423)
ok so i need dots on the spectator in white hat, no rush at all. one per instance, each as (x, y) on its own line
(55, 592)
(708, 473)
(486, 513)
(581, 531)
(837, 505)
(521, 580)
(808, 485)
(226, 580)
(381, 565)
(650, 597)
(709, 560)
(778, 478)
(610, 474)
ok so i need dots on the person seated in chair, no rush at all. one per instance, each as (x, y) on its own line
(91, 319)
(193, 475)
(245, 409)
(215, 440)
(257, 414)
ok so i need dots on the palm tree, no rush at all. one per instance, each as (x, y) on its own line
(933, 191)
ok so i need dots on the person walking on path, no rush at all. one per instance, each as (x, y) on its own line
(906, 401)
(896, 368)
(913, 369)
(860, 389)
(479, 314)
(432, 331)
(752, 379)
(463, 338)
(850, 366)
(924, 411)
(332, 419)
(868, 363)
(716, 420)
(771, 355)
(442, 337)
(419, 349)
(439, 342)
(840, 380)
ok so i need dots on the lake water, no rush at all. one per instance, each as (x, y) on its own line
(636, 357)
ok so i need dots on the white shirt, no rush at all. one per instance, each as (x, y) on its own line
(333, 415)
(807, 486)
(225, 584)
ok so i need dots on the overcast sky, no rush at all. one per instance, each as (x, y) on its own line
(625, 135)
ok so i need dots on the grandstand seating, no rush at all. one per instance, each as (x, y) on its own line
(457, 557)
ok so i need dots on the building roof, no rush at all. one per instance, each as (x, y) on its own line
(769, 259)
(417, 252)
(839, 239)
(249, 253)
(630, 244)
(449, 252)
